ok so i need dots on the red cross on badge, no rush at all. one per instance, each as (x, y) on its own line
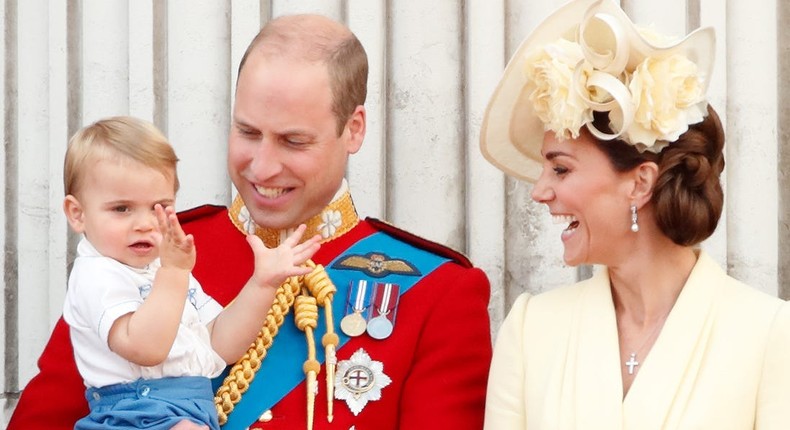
(361, 381)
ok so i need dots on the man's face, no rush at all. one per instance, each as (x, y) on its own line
(284, 154)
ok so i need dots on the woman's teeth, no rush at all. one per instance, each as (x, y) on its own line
(570, 220)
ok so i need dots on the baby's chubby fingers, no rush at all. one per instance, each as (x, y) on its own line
(175, 227)
(176, 248)
(302, 251)
(306, 249)
(296, 236)
(170, 228)
(256, 244)
(273, 266)
(162, 219)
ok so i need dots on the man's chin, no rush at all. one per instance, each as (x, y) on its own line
(275, 221)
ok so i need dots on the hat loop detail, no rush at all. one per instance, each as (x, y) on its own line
(620, 107)
(615, 59)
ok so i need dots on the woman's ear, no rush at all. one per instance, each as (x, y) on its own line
(74, 213)
(645, 176)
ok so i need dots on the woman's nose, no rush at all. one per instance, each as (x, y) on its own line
(541, 191)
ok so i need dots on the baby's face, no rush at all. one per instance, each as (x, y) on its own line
(117, 209)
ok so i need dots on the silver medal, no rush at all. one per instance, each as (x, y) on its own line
(386, 300)
(380, 327)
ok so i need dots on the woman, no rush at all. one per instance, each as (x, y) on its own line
(617, 136)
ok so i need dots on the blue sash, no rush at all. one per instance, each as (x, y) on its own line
(281, 370)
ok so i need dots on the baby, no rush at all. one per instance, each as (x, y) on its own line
(146, 338)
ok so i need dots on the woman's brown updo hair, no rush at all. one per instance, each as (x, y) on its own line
(687, 197)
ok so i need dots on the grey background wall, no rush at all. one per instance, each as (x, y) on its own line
(433, 65)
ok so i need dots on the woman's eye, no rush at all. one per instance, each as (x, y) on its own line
(121, 209)
(559, 170)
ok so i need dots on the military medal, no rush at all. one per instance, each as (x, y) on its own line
(361, 381)
(385, 302)
(379, 327)
(354, 323)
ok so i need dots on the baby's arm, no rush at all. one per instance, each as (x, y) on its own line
(145, 336)
(238, 324)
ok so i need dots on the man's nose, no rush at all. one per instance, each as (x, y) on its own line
(266, 160)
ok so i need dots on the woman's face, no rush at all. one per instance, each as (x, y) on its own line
(586, 195)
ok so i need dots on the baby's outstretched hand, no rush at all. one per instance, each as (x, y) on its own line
(274, 266)
(176, 249)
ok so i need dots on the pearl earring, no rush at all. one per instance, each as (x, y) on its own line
(634, 218)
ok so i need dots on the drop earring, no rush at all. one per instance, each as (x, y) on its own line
(634, 219)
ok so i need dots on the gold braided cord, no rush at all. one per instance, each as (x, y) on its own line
(243, 372)
(323, 289)
(316, 287)
(318, 283)
(306, 318)
(306, 312)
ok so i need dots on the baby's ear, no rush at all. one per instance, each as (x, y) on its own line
(74, 213)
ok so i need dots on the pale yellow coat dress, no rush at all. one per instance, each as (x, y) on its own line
(721, 362)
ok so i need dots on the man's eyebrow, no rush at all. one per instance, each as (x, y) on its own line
(239, 122)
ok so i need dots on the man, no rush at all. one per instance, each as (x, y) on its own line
(409, 320)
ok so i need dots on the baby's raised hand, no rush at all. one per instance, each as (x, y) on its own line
(176, 249)
(274, 266)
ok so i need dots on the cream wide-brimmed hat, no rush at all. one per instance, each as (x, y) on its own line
(588, 56)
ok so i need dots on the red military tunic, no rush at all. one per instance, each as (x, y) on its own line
(437, 356)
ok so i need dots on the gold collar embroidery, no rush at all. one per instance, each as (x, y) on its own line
(336, 219)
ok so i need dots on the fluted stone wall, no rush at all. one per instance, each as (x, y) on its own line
(433, 65)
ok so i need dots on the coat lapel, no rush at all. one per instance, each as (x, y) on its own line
(598, 393)
(668, 373)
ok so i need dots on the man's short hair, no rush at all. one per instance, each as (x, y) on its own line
(315, 38)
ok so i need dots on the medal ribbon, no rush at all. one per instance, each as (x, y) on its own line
(386, 299)
(359, 292)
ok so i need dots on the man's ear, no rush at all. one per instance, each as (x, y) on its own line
(356, 126)
(644, 176)
(74, 213)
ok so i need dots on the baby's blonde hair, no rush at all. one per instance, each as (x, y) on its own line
(120, 137)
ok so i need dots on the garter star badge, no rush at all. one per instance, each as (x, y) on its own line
(361, 381)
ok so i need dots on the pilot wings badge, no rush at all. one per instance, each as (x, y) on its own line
(377, 265)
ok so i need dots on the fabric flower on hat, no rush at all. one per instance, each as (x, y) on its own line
(649, 105)
(556, 102)
(668, 96)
